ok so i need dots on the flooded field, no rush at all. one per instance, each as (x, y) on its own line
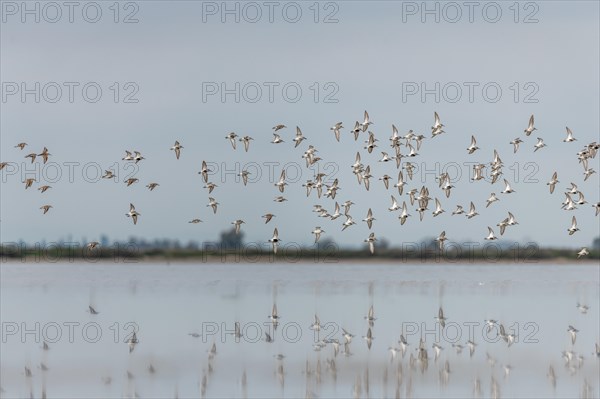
(54, 344)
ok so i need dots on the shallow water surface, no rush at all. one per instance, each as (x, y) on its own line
(88, 356)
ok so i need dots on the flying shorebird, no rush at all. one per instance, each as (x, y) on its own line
(583, 252)
(394, 206)
(553, 182)
(587, 173)
(138, 156)
(438, 208)
(347, 206)
(385, 158)
(268, 217)
(539, 144)
(204, 171)
(108, 174)
(530, 127)
(44, 155)
(177, 148)
(46, 208)
(401, 183)
(597, 206)
(491, 235)
(279, 199)
(131, 180)
(91, 310)
(472, 212)
(581, 200)
(336, 130)
(437, 126)
(32, 156)
(386, 181)
(473, 147)
(409, 167)
(568, 204)
(133, 213)
(317, 232)
(569, 137)
(21, 145)
(213, 204)
(403, 214)
(459, 210)
(299, 137)
(412, 152)
(573, 227)
(369, 219)
(238, 224)
(477, 172)
(573, 189)
(440, 239)
(371, 241)
(246, 141)
(275, 240)
(516, 143)
(492, 199)
(366, 176)
(277, 139)
(366, 122)
(195, 221)
(244, 174)
(211, 186)
(336, 212)
(231, 137)
(152, 186)
(44, 188)
(128, 156)
(356, 131)
(92, 244)
(279, 127)
(349, 222)
(281, 183)
(507, 188)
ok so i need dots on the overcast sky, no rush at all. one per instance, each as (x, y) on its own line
(161, 80)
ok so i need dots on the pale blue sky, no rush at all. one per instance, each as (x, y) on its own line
(368, 55)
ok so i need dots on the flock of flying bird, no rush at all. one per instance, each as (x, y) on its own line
(403, 147)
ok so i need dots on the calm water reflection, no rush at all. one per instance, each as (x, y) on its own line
(88, 356)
